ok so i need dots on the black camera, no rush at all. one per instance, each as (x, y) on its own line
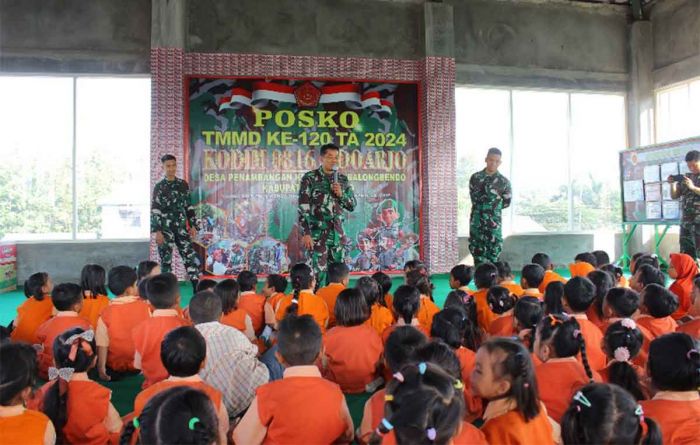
(678, 178)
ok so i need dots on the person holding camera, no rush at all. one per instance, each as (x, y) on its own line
(687, 188)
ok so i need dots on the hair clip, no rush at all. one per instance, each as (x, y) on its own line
(386, 424)
(398, 376)
(193, 422)
(422, 367)
(577, 332)
(62, 373)
(622, 354)
(459, 384)
(526, 385)
(388, 397)
(690, 353)
(553, 321)
(639, 412)
(432, 433)
(135, 422)
(628, 323)
(583, 400)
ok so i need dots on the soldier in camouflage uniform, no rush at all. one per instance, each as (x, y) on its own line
(490, 193)
(171, 210)
(322, 203)
(689, 193)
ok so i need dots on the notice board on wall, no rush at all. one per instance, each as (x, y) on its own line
(646, 193)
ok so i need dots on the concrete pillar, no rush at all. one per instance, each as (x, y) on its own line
(640, 98)
(439, 187)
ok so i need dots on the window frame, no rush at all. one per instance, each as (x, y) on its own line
(511, 141)
(657, 108)
(74, 155)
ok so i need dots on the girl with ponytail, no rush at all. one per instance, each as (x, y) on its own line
(557, 342)
(93, 280)
(501, 302)
(35, 310)
(406, 304)
(303, 301)
(79, 408)
(419, 279)
(602, 413)
(622, 343)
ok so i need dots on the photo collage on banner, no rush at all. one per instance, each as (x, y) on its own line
(250, 140)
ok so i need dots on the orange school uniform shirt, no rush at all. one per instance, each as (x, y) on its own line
(301, 409)
(30, 315)
(353, 356)
(329, 294)
(593, 338)
(691, 328)
(147, 337)
(27, 428)
(580, 269)
(426, 312)
(467, 361)
(380, 318)
(502, 326)
(505, 426)
(235, 319)
(513, 287)
(389, 300)
(47, 333)
(271, 306)
(679, 419)
(92, 308)
(596, 319)
(549, 277)
(254, 304)
(309, 304)
(558, 380)
(114, 330)
(657, 326)
(86, 410)
(147, 394)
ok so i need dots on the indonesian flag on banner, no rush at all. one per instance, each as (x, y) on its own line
(350, 94)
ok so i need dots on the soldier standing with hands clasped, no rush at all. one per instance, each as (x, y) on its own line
(687, 187)
(324, 196)
(171, 210)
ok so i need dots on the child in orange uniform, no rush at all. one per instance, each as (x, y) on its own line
(420, 279)
(505, 278)
(579, 293)
(603, 282)
(658, 304)
(399, 350)
(683, 269)
(385, 284)
(274, 289)
(234, 316)
(250, 301)
(283, 411)
(620, 280)
(92, 281)
(460, 277)
(352, 349)
(425, 405)
(549, 275)
(622, 343)
(115, 347)
(584, 263)
(183, 352)
(601, 413)
(67, 298)
(527, 313)
(501, 302)
(18, 425)
(406, 304)
(485, 277)
(164, 295)
(450, 326)
(621, 303)
(79, 408)
(691, 322)
(504, 375)
(557, 342)
(35, 310)
(380, 316)
(303, 301)
(674, 368)
(531, 278)
(338, 279)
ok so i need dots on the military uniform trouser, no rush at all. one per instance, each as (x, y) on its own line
(485, 239)
(690, 239)
(327, 249)
(180, 239)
